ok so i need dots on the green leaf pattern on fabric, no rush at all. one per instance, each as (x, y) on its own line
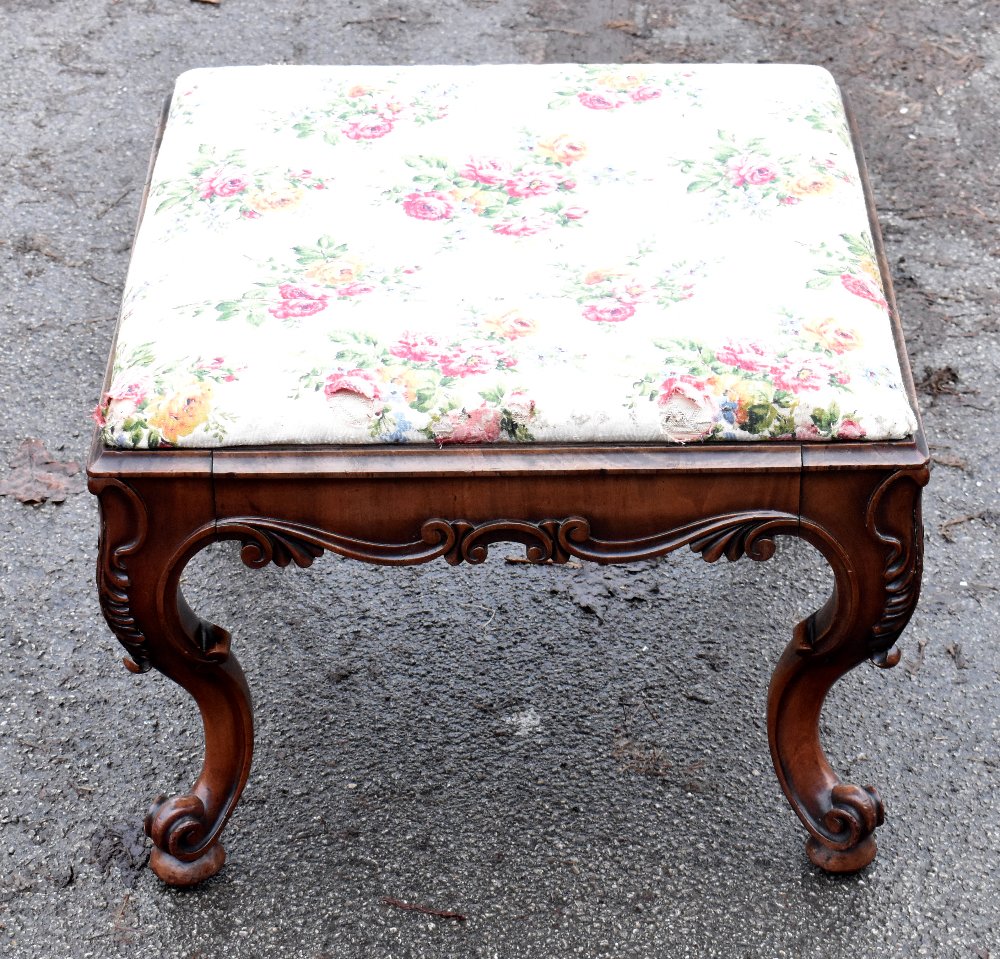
(504, 254)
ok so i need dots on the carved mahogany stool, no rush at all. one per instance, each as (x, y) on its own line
(603, 311)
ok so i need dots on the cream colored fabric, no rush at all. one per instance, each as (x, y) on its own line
(504, 253)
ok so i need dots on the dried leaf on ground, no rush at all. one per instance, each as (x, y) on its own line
(35, 477)
(949, 459)
(939, 382)
(945, 528)
(954, 650)
(524, 561)
(426, 910)
(643, 758)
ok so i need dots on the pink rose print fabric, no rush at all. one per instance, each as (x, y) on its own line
(612, 294)
(614, 87)
(217, 190)
(747, 174)
(528, 194)
(504, 254)
(363, 112)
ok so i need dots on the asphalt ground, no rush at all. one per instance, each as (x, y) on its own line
(574, 759)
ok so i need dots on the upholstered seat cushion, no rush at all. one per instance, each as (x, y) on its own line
(504, 253)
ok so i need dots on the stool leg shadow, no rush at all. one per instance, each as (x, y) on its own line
(876, 557)
(139, 567)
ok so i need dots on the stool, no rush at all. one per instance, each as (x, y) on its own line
(404, 313)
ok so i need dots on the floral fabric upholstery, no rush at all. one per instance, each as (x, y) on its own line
(504, 254)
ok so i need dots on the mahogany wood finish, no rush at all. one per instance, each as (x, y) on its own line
(597, 504)
(857, 503)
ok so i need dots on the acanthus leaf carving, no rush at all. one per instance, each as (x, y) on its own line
(276, 541)
(122, 534)
(732, 535)
(743, 539)
(903, 569)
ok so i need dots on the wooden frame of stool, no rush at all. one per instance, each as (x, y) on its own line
(857, 503)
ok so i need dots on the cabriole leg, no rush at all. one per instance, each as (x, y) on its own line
(875, 551)
(139, 568)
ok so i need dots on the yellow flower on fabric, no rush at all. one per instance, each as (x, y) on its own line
(184, 412)
(479, 200)
(599, 276)
(409, 380)
(345, 269)
(563, 149)
(867, 265)
(812, 185)
(511, 324)
(266, 201)
(833, 336)
(742, 392)
(621, 81)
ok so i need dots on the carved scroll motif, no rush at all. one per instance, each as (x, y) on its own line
(264, 541)
(275, 541)
(732, 535)
(855, 814)
(122, 534)
(903, 568)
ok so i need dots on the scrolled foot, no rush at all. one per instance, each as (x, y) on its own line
(176, 873)
(182, 854)
(848, 842)
(841, 861)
